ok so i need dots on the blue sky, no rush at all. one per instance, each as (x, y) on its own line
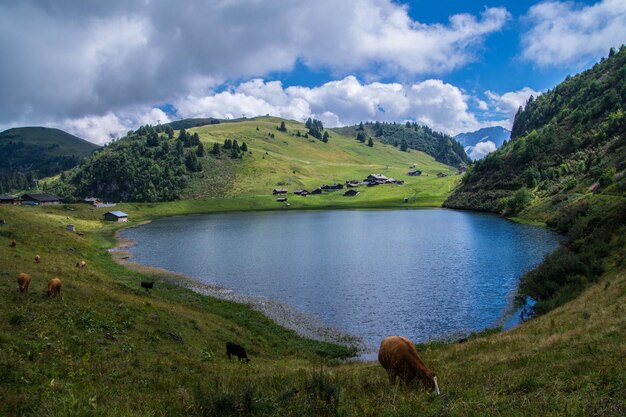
(98, 69)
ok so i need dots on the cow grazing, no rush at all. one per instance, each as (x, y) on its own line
(37, 258)
(400, 359)
(81, 264)
(236, 350)
(147, 285)
(13, 244)
(23, 281)
(54, 287)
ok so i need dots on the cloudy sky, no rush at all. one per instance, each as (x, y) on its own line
(99, 68)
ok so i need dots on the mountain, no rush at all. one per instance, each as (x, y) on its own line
(249, 157)
(483, 141)
(566, 165)
(189, 123)
(440, 146)
(38, 152)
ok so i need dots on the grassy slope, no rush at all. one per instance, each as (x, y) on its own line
(107, 345)
(292, 162)
(45, 136)
(56, 357)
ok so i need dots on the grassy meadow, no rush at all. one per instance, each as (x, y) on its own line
(109, 348)
(292, 162)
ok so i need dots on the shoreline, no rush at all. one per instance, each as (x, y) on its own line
(282, 314)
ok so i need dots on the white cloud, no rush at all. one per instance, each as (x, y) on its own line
(480, 150)
(68, 59)
(439, 105)
(566, 33)
(102, 129)
(507, 104)
(482, 105)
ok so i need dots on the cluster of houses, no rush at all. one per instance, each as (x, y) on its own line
(30, 199)
(49, 199)
(370, 181)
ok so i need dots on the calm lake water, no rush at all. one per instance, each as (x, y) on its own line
(418, 273)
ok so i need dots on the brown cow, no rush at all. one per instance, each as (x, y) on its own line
(400, 359)
(37, 258)
(81, 264)
(23, 281)
(54, 287)
(13, 244)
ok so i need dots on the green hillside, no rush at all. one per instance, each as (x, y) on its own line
(566, 165)
(189, 123)
(440, 146)
(109, 348)
(153, 164)
(31, 152)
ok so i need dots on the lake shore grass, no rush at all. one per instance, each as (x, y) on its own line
(109, 348)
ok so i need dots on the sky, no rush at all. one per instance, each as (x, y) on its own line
(98, 69)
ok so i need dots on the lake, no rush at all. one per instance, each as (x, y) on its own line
(424, 274)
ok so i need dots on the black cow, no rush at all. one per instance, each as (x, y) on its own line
(236, 350)
(146, 284)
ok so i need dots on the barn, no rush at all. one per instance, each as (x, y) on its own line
(9, 199)
(115, 216)
(37, 199)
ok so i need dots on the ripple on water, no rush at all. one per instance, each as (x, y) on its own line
(425, 274)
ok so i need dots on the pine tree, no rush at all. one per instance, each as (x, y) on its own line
(370, 143)
(200, 151)
(216, 149)
(325, 137)
(403, 145)
(192, 163)
(244, 147)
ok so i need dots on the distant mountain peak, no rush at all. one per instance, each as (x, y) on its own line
(483, 141)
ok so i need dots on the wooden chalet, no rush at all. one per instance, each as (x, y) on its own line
(332, 187)
(353, 192)
(37, 199)
(94, 201)
(276, 191)
(414, 173)
(115, 216)
(281, 199)
(317, 191)
(377, 178)
(10, 199)
(302, 193)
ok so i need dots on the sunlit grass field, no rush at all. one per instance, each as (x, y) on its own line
(108, 347)
(288, 161)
